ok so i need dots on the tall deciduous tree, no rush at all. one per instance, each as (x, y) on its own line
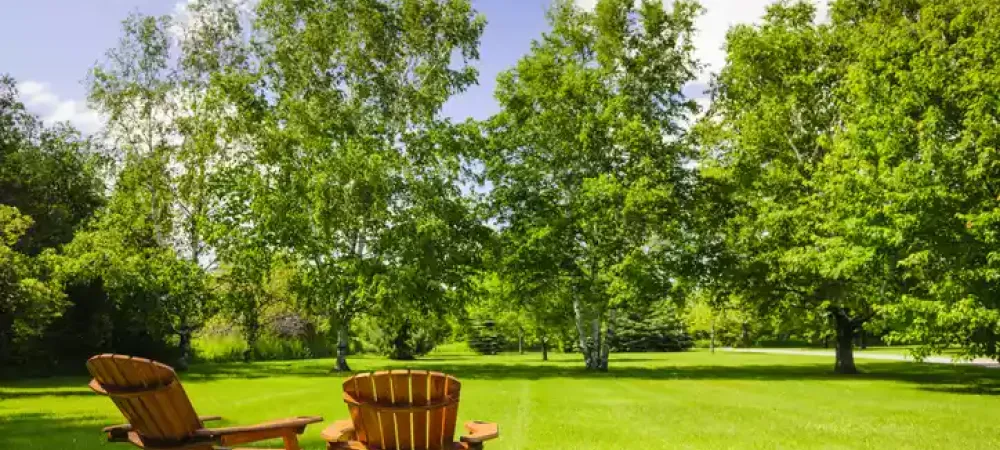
(49, 187)
(49, 172)
(354, 173)
(28, 302)
(587, 157)
(918, 165)
(788, 248)
(164, 121)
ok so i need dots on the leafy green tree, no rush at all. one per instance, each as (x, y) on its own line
(916, 167)
(163, 119)
(49, 186)
(405, 335)
(528, 312)
(354, 173)
(49, 173)
(788, 247)
(28, 302)
(587, 158)
(656, 328)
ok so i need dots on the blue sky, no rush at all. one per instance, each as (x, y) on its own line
(48, 46)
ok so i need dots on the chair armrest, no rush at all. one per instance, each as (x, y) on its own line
(339, 431)
(121, 431)
(117, 433)
(259, 432)
(480, 432)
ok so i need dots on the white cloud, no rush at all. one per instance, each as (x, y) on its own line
(39, 99)
(719, 17)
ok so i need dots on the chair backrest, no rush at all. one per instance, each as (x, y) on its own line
(149, 395)
(403, 409)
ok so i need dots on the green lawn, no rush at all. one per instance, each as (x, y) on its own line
(693, 400)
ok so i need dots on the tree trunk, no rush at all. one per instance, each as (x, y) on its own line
(711, 342)
(545, 348)
(584, 347)
(343, 338)
(251, 331)
(845, 344)
(606, 345)
(595, 344)
(184, 345)
(520, 341)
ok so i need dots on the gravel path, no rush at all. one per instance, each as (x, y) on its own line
(984, 362)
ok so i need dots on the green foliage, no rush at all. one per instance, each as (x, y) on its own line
(402, 337)
(49, 186)
(919, 165)
(654, 329)
(28, 302)
(587, 160)
(855, 159)
(350, 169)
(49, 173)
(485, 337)
(786, 246)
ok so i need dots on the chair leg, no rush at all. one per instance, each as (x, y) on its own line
(291, 442)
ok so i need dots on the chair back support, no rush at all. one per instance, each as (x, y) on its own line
(149, 395)
(403, 409)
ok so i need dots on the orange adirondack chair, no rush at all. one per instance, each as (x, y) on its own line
(404, 410)
(161, 416)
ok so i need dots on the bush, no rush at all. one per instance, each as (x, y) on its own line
(219, 347)
(270, 348)
(287, 337)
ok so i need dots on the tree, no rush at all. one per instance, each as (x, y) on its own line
(917, 161)
(28, 302)
(587, 158)
(777, 110)
(50, 173)
(164, 120)
(657, 328)
(359, 175)
(49, 187)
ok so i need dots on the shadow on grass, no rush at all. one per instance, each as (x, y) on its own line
(4, 395)
(958, 379)
(932, 377)
(27, 430)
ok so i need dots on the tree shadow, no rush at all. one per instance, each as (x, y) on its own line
(29, 430)
(930, 377)
(299, 368)
(4, 395)
(958, 379)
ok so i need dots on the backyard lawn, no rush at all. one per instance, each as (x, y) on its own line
(692, 400)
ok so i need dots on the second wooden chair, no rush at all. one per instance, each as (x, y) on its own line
(404, 410)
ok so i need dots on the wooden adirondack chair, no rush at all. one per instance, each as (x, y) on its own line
(404, 410)
(161, 416)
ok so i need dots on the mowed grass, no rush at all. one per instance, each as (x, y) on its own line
(693, 400)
